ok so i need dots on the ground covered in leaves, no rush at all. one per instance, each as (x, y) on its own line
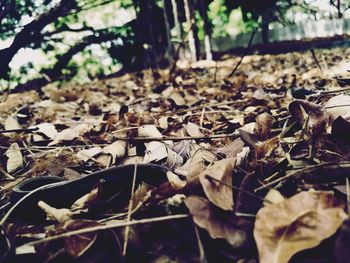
(255, 166)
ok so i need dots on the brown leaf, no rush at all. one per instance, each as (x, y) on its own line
(15, 158)
(263, 126)
(231, 150)
(339, 106)
(298, 223)
(218, 223)
(310, 115)
(77, 245)
(193, 129)
(220, 194)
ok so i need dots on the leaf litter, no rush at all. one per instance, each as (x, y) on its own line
(259, 162)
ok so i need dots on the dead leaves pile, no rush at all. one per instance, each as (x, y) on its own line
(273, 186)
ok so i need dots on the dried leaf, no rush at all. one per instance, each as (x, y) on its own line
(220, 194)
(87, 154)
(273, 197)
(15, 158)
(60, 215)
(48, 129)
(77, 245)
(263, 126)
(310, 115)
(117, 150)
(231, 150)
(193, 129)
(11, 123)
(218, 223)
(298, 223)
(149, 131)
(65, 135)
(155, 151)
(339, 106)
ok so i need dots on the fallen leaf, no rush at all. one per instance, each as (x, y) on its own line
(65, 135)
(155, 151)
(231, 150)
(77, 245)
(312, 116)
(87, 154)
(298, 223)
(163, 122)
(149, 131)
(60, 215)
(117, 150)
(339, 106)
(48, 129)
(220, 194)
(11, 123)
(263, 126)
(273, 197)
(218, 223)
(193, 129)
(15, 158)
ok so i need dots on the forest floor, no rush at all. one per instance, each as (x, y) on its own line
(255, 166)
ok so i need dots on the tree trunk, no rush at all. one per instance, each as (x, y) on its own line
(176, 19)
(170, 48)
(193, 31)
(207, 36)
(265, 28)
(31, 32)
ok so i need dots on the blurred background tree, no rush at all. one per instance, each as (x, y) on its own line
(43, 41)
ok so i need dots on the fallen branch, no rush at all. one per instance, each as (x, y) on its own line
(104, 227)
(176, 138)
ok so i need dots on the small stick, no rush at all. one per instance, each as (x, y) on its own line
(176, 138)
(243, 55)
(19, 130)
(106, 227)
(210, 178)
(127, 228)
(316, 60)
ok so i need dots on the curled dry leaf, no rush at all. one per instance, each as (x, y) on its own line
(298, 223)
(220, 194)
(11, 123)
(47, 129)
(339, 106)
(310, 115)
(155, 151)
(87, 154)
(263, 126)
(65, 135)
(149, 131)
(273, 197)
(117, 150)
(193, 129)
(218, 223)
(199, 160)
(231, 150)
(77, 245)
(60, 215)
(15, 158)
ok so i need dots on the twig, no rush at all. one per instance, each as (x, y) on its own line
(127, 229)
(176, 138)
(106, 227)
(19, 130)
(199, 107)
(307, 169)
(316, 60)
(243, 55)
(210, 178)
